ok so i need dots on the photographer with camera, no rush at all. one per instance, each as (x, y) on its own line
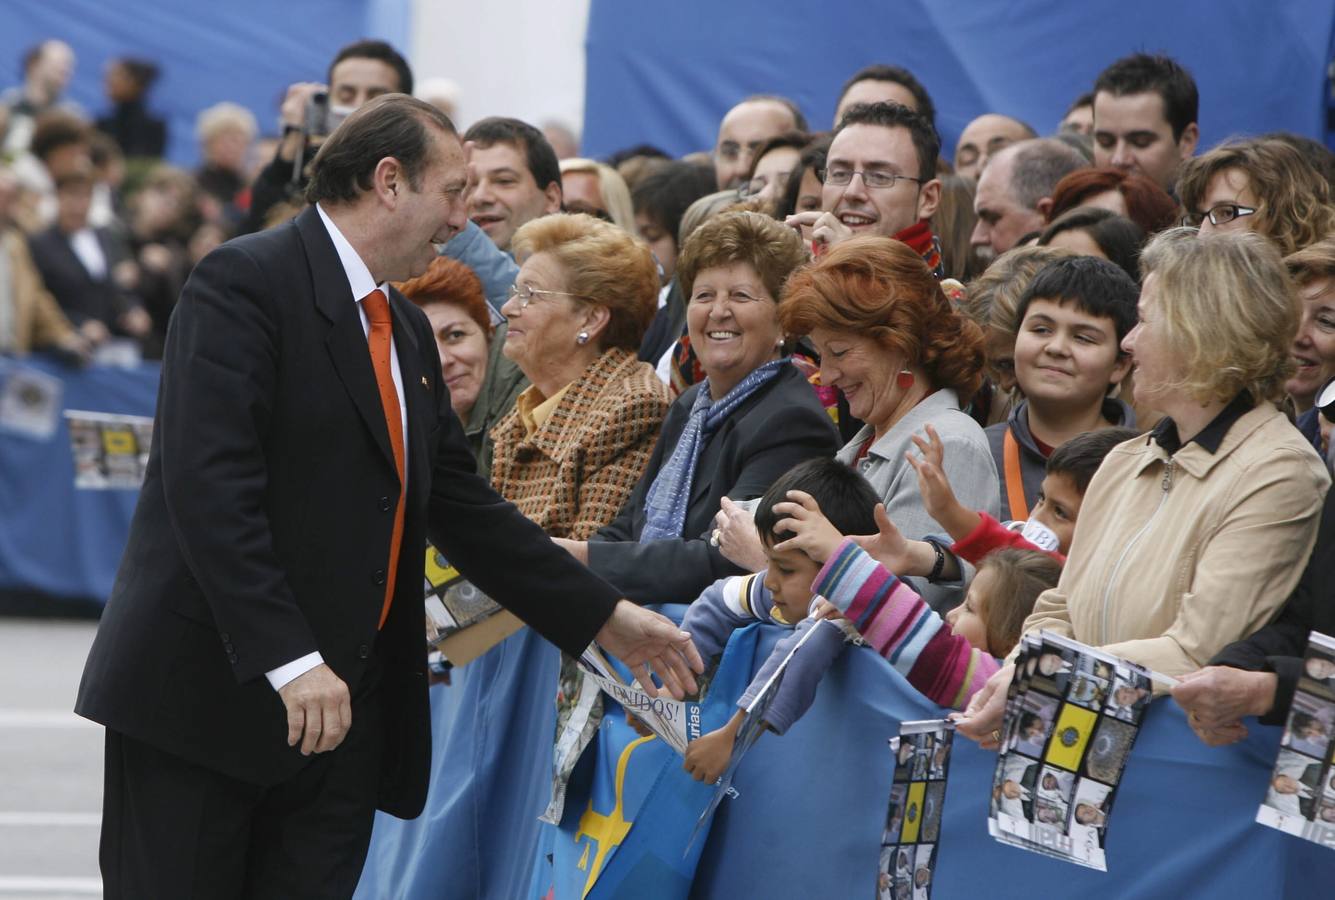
(360, 72)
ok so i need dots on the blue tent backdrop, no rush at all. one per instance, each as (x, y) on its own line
(666, 75)
(246, 51)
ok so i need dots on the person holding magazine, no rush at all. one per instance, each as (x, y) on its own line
(1191, 539)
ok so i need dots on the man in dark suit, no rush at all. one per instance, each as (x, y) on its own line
(263, 612)
(85, 268)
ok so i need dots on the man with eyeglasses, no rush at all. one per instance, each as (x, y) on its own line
(1015, 192)
(879, 178)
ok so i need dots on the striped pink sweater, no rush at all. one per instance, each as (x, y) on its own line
(897, 624)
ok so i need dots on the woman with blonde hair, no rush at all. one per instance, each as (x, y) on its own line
(1194, 537)
(1265, 186)
(599, 190)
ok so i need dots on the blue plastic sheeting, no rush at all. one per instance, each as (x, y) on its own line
(246, 51)
(492, 732)
(55, 539)
(666, 74)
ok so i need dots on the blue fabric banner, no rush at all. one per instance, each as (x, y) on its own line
(208, 52)
(667, 75)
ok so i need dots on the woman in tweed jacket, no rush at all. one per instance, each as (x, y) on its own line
(579, 436)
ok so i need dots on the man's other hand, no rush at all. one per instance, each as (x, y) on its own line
(319, 710)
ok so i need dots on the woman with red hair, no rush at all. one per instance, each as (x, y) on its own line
(1125, 193)
(452, 297)
(904, 358)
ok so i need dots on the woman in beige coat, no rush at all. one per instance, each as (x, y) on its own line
(1192, 537)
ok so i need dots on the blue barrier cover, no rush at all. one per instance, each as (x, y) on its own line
(55, 539)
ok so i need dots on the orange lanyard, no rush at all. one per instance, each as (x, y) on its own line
(1014, 478)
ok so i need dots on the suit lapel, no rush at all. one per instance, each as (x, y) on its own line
(346, 339)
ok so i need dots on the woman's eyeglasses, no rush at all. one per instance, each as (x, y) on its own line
(1219, 214)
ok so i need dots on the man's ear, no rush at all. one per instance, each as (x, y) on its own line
(553, 194)
(387, 180)
(1186, 145)
(1044, 207)
(929, 198)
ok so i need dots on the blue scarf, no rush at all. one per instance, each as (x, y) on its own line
(668, 497)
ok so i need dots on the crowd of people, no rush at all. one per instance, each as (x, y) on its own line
(1075, 382)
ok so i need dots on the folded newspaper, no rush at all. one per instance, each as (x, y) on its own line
(1072, 716)
(1300, 798)
(677, 722)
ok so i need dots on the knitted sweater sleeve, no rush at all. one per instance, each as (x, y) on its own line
(898, 625)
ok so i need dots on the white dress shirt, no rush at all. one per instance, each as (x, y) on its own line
(360, 283)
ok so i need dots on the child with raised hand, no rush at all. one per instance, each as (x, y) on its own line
(1050, 527)
(780, 595)
(948, 660)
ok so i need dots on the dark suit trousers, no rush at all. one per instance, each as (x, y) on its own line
(172, 829)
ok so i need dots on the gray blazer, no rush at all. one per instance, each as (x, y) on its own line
(967, 463)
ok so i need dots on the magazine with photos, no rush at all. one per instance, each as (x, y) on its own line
(1072, 716)
(110, 451)
(1300, 798)
(921, 757)
(461, 621)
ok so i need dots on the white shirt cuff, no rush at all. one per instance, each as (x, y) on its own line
(280, 676)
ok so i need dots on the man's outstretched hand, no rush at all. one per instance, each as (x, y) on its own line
(650, 644)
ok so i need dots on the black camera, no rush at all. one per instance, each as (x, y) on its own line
(321, 117)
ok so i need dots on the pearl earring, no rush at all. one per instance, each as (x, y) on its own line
(582, 337)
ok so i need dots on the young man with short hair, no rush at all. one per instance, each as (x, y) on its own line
(1145, 110)
(517, 177)
(881, 84)
(879, 178)
(745, 128)
(1068, 360)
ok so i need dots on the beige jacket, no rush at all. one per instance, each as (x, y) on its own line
(1173, 558)
(38, 319)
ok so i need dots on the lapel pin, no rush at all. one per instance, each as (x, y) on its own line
(425, 383)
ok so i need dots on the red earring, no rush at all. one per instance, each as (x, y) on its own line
(904, 379)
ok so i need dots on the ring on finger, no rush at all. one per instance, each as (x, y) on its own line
(996, 735)
(716, 537)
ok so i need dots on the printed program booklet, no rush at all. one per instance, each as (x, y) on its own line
(921, 755)
(1072, 716)
(1300, 798)
(461, 621)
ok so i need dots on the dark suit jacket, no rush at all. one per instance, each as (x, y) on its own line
(79, 294)
(263, 527)
(1280, 646)
(774, 429)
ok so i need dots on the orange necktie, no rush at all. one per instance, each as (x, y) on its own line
(377, 311)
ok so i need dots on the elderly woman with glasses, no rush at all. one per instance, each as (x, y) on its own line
(579, 436)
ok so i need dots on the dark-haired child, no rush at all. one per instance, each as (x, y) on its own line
(1068, 360)
(780, 595)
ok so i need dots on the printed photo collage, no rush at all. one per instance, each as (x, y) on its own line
(452, 601)
(1300, 798)
(1072, 716)
(110, 451)
(921, 755)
